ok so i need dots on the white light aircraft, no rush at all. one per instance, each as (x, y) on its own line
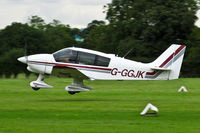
(83, 64)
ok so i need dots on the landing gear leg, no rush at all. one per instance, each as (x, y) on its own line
(40, 77)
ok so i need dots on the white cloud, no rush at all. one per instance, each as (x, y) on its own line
(76, 13)
(198, 21)
(90, 2)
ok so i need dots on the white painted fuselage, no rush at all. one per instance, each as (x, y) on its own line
(83, 64)
(167, 66)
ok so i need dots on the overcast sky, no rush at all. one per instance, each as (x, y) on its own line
(76, 13)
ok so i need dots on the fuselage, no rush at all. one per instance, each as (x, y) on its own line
(81, 64)
(98, 65)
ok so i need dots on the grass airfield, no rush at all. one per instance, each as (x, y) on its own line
(112, 107)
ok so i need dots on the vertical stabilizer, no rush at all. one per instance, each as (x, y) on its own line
(169, 63)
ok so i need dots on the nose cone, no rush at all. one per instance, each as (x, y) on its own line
(22, 59)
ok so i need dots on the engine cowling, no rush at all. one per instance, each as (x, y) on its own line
(40, 63)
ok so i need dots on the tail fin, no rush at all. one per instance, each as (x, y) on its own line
(169, 61)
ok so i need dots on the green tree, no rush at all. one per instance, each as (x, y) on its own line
(191, 63)
(91, 26)
(99, 36)
(9, 64)
(36, 22)
(58, 37)
(150, 27)
(17, 38)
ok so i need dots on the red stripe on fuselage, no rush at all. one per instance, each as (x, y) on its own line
(67, 65)
(167, 60)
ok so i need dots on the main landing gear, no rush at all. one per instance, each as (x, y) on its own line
(73, 92)
(77, 86)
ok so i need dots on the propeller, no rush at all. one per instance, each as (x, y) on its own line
(25, 52)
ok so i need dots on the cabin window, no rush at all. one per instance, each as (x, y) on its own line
(66, 55)
(102, 61)
(86, 58)
(71, 56)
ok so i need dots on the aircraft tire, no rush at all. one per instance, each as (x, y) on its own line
(71, 92)
(35, 89)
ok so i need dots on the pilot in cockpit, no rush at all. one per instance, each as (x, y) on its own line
(70, 57)
(67, 59)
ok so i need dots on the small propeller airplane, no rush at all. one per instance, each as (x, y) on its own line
(81, 64)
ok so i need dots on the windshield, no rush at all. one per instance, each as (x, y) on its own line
(66, 55)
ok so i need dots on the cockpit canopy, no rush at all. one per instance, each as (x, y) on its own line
(78, 57)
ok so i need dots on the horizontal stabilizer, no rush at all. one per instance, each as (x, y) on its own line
(161, 69)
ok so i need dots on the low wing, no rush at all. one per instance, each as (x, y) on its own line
(78, 77)
(68, 72)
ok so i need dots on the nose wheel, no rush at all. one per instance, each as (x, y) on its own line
(39, 83)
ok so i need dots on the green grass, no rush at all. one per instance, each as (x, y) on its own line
(112, 107)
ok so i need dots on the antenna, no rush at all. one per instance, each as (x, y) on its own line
(127, 52)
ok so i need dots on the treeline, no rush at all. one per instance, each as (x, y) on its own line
(143, 28)
(33, 37)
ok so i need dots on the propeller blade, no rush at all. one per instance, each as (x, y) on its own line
(26, 59)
